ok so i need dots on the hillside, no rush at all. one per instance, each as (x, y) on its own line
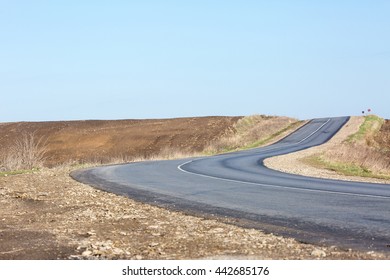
(116, 141)
(102, 140)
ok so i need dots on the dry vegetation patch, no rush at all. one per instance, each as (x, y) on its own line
(383, 138)
(361, 153)
(253, 131)
(25, 153)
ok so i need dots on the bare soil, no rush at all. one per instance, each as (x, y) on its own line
(48, 215)
(102, 141)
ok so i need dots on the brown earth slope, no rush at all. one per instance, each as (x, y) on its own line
(102, 141)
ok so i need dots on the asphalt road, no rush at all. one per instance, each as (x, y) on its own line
(238, 188)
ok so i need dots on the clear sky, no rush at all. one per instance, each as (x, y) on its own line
(66, 60)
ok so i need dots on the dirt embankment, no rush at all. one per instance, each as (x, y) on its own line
(383, 137)
(102, 141)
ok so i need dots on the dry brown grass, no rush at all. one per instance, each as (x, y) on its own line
(250, 132)
(26, 153)
(365, 153)
(368, 159)
(383, 138)
(166, 153)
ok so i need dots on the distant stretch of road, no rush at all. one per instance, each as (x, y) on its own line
(239, 187)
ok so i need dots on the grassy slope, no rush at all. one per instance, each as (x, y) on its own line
(253, 131)
(359, 155)
(367, 130)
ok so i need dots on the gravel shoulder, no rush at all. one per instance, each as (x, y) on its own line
(48, 215)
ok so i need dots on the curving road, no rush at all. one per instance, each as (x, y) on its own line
(238, 186)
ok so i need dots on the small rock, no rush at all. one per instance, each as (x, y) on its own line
(82, 247)
(98, 252)
(318, 253)
(117, 251)
(371, 253)
(74, 257)
(87, 253)
(216, 230)
(43, 194)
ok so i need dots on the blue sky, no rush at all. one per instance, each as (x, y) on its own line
(66, 60)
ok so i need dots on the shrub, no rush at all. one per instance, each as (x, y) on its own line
(27, 152)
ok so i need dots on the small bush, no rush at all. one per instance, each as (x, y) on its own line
(27, 152)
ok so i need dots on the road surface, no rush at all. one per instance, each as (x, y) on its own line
(238, 188)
